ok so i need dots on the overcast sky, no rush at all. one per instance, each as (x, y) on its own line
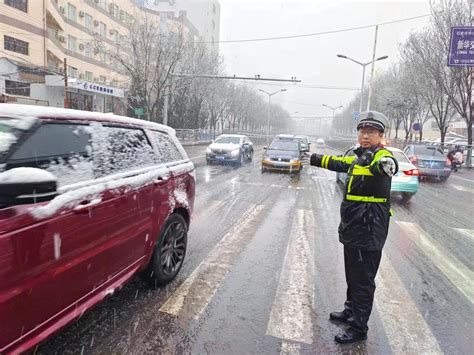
(313, 59)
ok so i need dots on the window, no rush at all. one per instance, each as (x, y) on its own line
(103, 4)
(17, 88)
(88, 76)
(88, 50)
(114, 9)
(72, 72)
(117, 149)
(72, 43)
(67, 156)
(103, 29)
(103, 56)
(167, 150)
(88, 21)
(71, 12)
(18, 4)
(15, 45)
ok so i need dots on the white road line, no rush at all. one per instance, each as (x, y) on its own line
(462, 188)
(198, 157)
(292, 309)
(461, 277)
(406, 330)
(289, 348)
(461, 178)
(193, 296)
(468, 233)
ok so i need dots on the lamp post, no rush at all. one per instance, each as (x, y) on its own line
(269, 105)
(363, 74)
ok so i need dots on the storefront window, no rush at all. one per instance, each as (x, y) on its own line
(79, 101)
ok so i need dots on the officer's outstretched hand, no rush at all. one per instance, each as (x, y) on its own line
(316, 159)
(388, 165)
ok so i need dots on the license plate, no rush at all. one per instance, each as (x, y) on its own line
(220, 157)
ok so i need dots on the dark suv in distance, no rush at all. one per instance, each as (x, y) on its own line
(87, 200)
(430, 161)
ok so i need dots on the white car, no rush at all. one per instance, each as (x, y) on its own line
(230, 148)
(320, 143)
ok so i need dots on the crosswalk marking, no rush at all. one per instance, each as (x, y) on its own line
(469, 233)
(291, 313)
(194, 294)
(461, 277)
(406, 330)
(462, 188)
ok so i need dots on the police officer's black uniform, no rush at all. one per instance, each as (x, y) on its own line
(365, 215)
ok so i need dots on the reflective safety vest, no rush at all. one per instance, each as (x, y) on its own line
(365, 210)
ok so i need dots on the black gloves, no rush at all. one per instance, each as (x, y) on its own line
(316, 159)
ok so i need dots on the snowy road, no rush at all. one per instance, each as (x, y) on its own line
(264, 268)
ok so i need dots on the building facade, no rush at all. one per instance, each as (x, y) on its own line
(203, 14)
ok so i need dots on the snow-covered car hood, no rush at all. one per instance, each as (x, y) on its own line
(224, 146)
(271, 153)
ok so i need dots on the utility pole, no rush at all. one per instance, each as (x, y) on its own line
(66, 101)
(372, 69)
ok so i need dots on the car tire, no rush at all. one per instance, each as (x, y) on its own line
(250, 156)
(406, 196)
(263, 170)
(208, 162)
(172, 240)
(241, 159)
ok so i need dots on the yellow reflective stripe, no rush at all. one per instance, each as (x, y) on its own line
(327, 161)
(380, 154)
(365, 198)
(347, 160)
(361, 171)
(349, 185)
(323, 161)
(391, 212)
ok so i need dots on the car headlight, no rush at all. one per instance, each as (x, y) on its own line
(208, 150)
(235, 152)
(294, 160)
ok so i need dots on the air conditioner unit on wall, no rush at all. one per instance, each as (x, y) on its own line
(81, 14)
(62, 9)
(62, 39)
(96, 23)
(96, 80)
(81, 46)
(111, 32)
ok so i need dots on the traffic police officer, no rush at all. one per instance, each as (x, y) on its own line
(365, 215)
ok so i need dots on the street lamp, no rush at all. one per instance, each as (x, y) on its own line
(269, 104)
(332, 108)
(363, 73)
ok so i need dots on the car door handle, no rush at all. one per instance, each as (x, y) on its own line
(160, 181)
(84, 206)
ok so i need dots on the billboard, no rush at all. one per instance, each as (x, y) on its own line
(461, 47)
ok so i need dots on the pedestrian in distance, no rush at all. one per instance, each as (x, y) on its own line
(365, 215)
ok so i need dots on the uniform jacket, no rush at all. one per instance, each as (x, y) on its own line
(365, 210)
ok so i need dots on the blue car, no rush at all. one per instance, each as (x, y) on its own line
(404, 183)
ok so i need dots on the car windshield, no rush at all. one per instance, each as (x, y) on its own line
(284, 145)
(302, 139)
(429, 150)
(228, 139)
(9, 134)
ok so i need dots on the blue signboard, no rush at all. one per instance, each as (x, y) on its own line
(356, 115)
(461, 47)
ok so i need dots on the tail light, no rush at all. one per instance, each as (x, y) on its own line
(448, 162)
(414, 160)
(412, 172)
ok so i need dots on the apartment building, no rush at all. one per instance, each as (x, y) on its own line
(38, 37)
(203, 14)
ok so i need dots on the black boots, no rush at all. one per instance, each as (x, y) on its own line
(350, 336)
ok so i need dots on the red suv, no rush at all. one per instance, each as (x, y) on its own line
(87, 200)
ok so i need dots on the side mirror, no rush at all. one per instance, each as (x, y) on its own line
(265, 147)
(20, 186)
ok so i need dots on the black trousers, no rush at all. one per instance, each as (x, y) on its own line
(361, 268)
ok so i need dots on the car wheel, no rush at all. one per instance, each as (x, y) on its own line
(208, 162)
(169, 252)
(250, 156)
(241, 159)
(263, 170)
(406, 196)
